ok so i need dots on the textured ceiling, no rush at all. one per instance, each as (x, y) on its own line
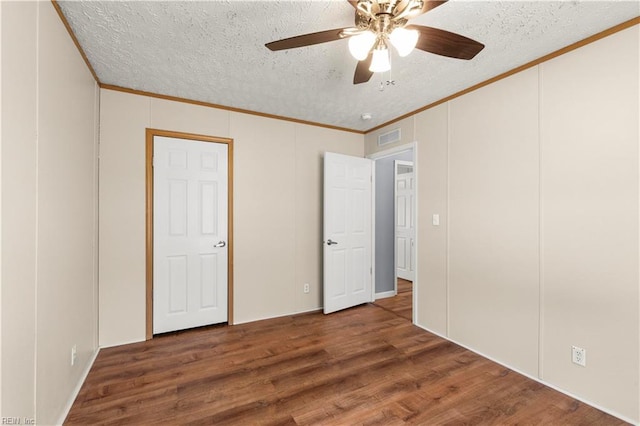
(214, 52)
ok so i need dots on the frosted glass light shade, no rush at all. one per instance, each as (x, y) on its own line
(404, 40)
(380, 61)
(361, 44)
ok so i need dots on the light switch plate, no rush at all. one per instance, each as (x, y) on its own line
(436, 220)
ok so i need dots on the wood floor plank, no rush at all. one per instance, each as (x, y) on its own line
(366, 365)
(401, 304)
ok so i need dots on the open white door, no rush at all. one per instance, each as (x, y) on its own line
(404, 208)
(190, 224)
(347, 231)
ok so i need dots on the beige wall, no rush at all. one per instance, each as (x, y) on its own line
(277, 207)
(536, 180)
(432, 160)
(49, 195)
(19, 127)
(123, 119)
(589, 231)
(0, 211)
(493, 218)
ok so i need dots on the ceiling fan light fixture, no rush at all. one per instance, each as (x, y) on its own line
(361, 44)
(380, 22)
(404, 40)
(380, 60)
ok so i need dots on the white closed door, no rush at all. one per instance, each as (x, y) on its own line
(190, 226)
(347, 231)
(404, 220)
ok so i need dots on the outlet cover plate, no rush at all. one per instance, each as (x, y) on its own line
(579, 356)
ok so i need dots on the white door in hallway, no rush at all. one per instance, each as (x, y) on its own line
(190, 226)
(347, 231)
(404, 220)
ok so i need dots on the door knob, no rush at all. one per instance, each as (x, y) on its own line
(220, 244)
(330, 243)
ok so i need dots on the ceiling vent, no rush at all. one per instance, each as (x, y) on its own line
(389, 137)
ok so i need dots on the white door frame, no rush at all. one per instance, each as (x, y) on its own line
(388, 153)
(150, 133)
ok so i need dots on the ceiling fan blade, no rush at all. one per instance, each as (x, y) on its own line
(362, 74)
(445, 43)
(306, 39)
(430, 5)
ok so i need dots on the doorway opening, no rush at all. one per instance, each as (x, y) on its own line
(189, 230)
(404, 199)
(394, 229)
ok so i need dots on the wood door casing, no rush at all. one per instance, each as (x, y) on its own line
(150, 134)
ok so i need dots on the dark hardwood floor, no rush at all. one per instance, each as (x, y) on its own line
(365, 365)
(402, 303)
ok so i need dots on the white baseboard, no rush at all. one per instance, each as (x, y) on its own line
(385, 294)
(127, 342)
(529, 376)
(76, 390)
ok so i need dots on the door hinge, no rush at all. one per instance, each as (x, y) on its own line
(371, 271)
(153, 161)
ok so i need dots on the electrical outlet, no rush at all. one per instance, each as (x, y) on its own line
(579, 356)
(306, 287)
(74, 355)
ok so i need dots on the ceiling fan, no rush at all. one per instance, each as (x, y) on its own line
(379, 23)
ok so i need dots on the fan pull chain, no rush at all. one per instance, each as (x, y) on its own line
(388, 82)
(384, 83)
